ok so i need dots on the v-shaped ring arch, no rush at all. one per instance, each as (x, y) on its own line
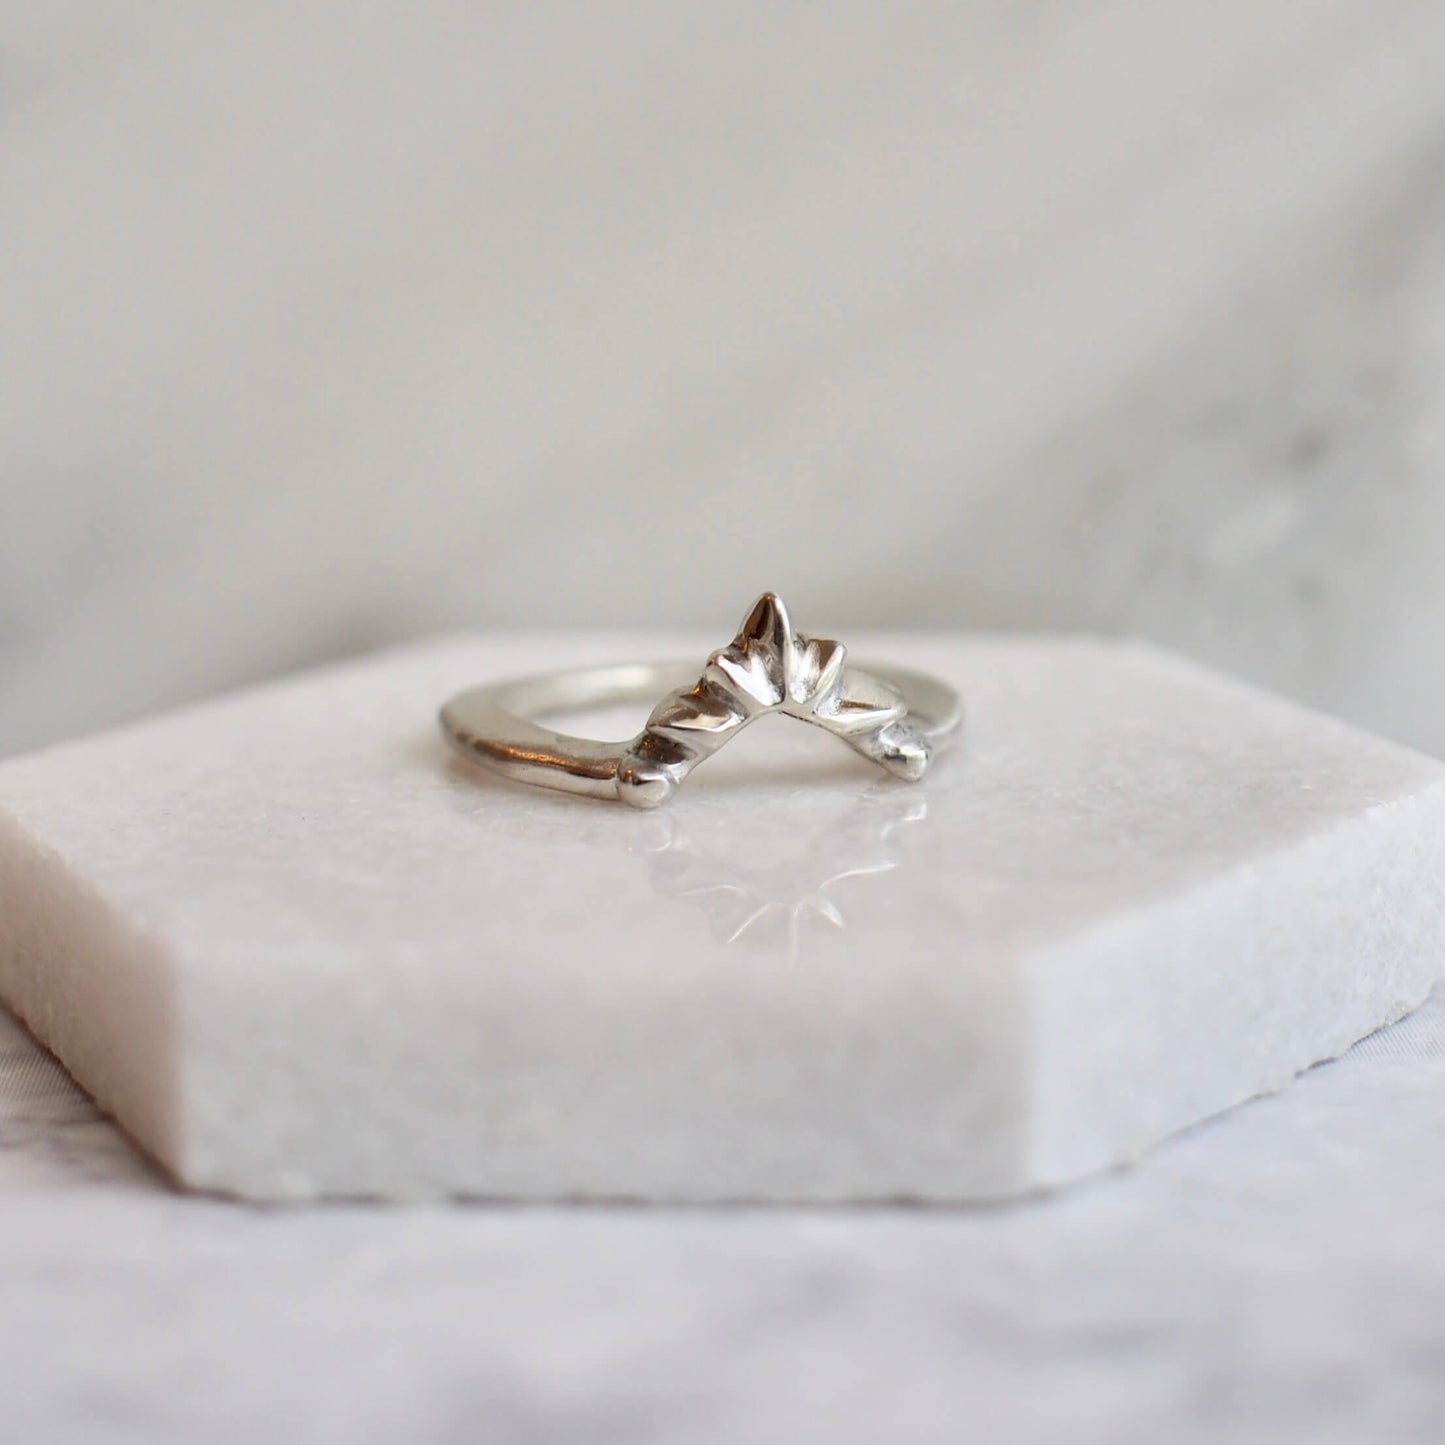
(769, 667)
(897, 721)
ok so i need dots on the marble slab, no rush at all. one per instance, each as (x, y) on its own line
(296, 949)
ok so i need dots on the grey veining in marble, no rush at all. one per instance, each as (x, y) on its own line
(313, 344)
(1270, 1279)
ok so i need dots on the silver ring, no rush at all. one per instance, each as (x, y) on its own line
(898, 718)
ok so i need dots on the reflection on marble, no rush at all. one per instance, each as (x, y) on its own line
(50, 1132)
(781, 886)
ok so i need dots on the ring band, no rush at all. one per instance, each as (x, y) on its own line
(896, 717)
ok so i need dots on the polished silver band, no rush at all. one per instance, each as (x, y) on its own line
(897, 717)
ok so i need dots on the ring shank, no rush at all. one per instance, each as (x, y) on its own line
(495, 725)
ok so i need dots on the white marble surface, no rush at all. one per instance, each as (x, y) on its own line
(298, 949)
(321, 332)
(1269, 1278)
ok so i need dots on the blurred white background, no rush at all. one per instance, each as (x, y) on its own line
(327, 326)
